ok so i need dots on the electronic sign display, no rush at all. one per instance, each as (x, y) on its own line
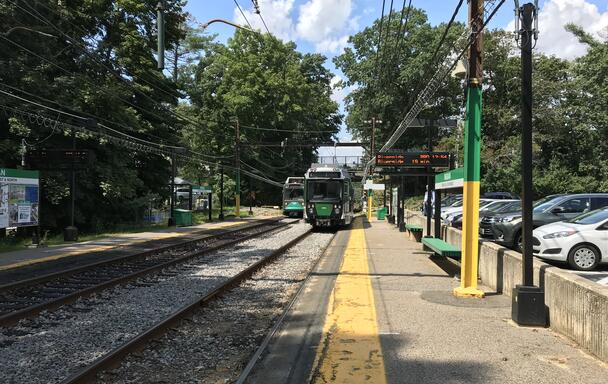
(413, 159)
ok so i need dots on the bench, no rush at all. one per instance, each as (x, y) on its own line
(440, 247)
(413, 228)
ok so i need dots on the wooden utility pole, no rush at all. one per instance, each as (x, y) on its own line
(470, 222)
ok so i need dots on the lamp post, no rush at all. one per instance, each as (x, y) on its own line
(223, 21)
(528, 306)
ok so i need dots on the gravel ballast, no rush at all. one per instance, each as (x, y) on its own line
(54, 345)
(215, 344)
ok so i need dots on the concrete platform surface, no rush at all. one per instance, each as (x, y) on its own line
(409, 328)
(31, 262)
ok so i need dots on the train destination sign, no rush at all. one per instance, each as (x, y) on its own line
(413, 159)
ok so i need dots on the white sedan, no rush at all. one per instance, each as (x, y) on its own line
(582, 241)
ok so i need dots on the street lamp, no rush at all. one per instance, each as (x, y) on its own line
(528, 307)
(26, 29)
(212, 21)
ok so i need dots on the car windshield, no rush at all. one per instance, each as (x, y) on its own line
(544, 203)
(495, 206)
(510, 207)
(324, 189)
(294, 193)
(483, 203)
(457, 204)
(592, 217)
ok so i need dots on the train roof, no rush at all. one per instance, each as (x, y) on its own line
(322, 171)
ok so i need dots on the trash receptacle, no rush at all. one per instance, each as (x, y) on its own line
(183, 217)
(381, 213)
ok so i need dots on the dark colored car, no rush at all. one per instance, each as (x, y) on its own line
(499, 196)
(552, 209)
(487, 221)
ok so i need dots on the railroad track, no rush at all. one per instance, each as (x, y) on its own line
(27, 298)
(115, 356)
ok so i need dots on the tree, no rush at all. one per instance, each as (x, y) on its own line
(96, 61)
(276, 93)
(387, 79)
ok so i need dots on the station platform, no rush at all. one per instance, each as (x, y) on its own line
(31, 262)
(379, 309)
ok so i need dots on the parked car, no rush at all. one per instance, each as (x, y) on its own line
(455, 220)
(549, 210)
(499, 195)
(458, 207)
(448, 200)
(509, 212)
(582, 241)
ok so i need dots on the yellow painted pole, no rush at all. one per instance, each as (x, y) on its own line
(369, 204)
(472, 147)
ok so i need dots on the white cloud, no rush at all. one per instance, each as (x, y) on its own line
(319, 19)
(276, 13)
(324, 23)
(555, 14)
(332, 45)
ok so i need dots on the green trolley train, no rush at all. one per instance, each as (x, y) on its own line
(293, 197)
(328, 196)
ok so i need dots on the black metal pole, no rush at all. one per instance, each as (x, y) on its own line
(221, 215)
(526, 143)
(73, 189)
(528, 301)
(172, 199)
(429, 188)
(437, 212)
(210, 205)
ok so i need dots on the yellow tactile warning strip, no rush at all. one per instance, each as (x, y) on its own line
(350, 350)
(159, 236)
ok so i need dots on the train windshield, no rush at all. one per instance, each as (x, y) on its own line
(325, 189)
(294, 193)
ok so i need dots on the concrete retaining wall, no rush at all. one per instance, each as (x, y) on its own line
(577, 307)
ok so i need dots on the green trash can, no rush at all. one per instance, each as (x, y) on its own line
(381, 213)
(183, 217)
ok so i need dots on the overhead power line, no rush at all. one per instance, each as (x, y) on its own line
(256, 6)
(459, 48)
(243, 13)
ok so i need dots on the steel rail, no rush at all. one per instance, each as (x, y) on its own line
(270, 335)
(204, 236)
(30, 311)
(114, 357)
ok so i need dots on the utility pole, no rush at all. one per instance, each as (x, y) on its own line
(221, 215)
(430, 182)
(71, 232)
(372, 146)
(470, 222)
(237, 159)
(528, 307)
(172, 200)
(160, 26)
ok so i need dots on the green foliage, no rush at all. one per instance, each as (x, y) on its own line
(387, 82)
(264, 83)
(99, 62)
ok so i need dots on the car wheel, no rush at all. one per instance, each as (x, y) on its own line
(584, 257)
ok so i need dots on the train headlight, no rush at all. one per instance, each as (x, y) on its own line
(337, 208)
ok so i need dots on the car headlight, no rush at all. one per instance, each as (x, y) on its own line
(508, 219)
(557, 235)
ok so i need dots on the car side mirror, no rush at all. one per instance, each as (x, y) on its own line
(558, 210)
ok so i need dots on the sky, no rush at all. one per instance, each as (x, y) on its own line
(323, 26)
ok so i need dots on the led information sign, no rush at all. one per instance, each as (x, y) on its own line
(59, 158)
(413, 159)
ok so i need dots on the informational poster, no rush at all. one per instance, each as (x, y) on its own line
(19, 198)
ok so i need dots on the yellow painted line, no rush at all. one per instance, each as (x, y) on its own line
(350, 350)
(161, 236)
